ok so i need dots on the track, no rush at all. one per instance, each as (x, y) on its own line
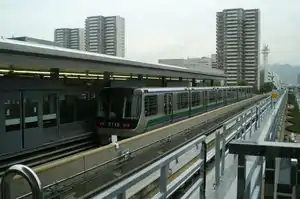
(47, 153)
(117, 170)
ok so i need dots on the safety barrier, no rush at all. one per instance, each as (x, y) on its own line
(250, 183)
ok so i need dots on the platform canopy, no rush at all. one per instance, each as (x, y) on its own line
(20, 55)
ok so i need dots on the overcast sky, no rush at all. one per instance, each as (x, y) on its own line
(158, 28)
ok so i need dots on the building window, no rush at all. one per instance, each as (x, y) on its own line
(151, 106)
(182, 100)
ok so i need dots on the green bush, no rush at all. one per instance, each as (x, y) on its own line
(295, 114)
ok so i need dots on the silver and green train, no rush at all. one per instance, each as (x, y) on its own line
(126, 112)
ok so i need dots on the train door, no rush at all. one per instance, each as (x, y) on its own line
(168, 106)
(11, 139)
(50, 116)
(32, 119)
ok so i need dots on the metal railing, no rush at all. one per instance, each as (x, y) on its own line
(250, 184)
(242, 127)
(25, 172)
(165, 189)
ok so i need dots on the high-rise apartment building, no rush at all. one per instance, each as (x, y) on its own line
(73, 38)
(213, 60)
(105, 35)
(238, 36)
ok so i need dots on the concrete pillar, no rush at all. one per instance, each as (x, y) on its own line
(54, 73)
(194, 82)
(241, 177)
(163, 81)
(140, 77)
(269, 177)
(106, 78)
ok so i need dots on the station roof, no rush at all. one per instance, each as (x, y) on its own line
(29, 56)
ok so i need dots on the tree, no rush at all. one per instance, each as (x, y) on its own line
(268, 87)
(216, 83)
(242, 83)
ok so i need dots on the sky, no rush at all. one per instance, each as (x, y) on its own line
(157, 29)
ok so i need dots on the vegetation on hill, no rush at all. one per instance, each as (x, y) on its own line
(294, 114)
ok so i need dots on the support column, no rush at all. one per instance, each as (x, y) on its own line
(163, 81)
(269, 177)
(106, 78)
(298, 177)
(241, 177)
(203, 155)
(54, 73)
(140, 77)
(217, 159)
(194, 82)
(211, 82)
(223, 150)
(163, 180)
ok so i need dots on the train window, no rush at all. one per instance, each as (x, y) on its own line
(67, 108)
(151, 107)
(196, 98)
(182, 100)
(132, 106)
(118, 103)
(135, 107)
(49, 110)
(12, 115)
(31, 112)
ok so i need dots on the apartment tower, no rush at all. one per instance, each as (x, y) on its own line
(105, 35)
(73, 38)
(238, 37)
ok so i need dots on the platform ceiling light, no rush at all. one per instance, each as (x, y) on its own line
(120, 76)
(81, 74)
(88, 78)
(31, 72)
(4, 71)
(122, 79)
(153, 78)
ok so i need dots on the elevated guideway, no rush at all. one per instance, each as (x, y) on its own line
(176, 152)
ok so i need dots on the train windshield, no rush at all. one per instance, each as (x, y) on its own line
(119, 103)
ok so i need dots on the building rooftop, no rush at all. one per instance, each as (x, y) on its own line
(35, 40)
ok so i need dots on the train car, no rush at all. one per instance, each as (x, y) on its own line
(127, 112)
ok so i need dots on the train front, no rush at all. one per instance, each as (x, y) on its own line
(118, 113)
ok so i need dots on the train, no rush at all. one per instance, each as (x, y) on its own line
(126, 112)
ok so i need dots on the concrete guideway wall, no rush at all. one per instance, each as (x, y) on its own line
(65, 168)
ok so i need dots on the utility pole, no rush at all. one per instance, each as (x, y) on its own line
(261, 71)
